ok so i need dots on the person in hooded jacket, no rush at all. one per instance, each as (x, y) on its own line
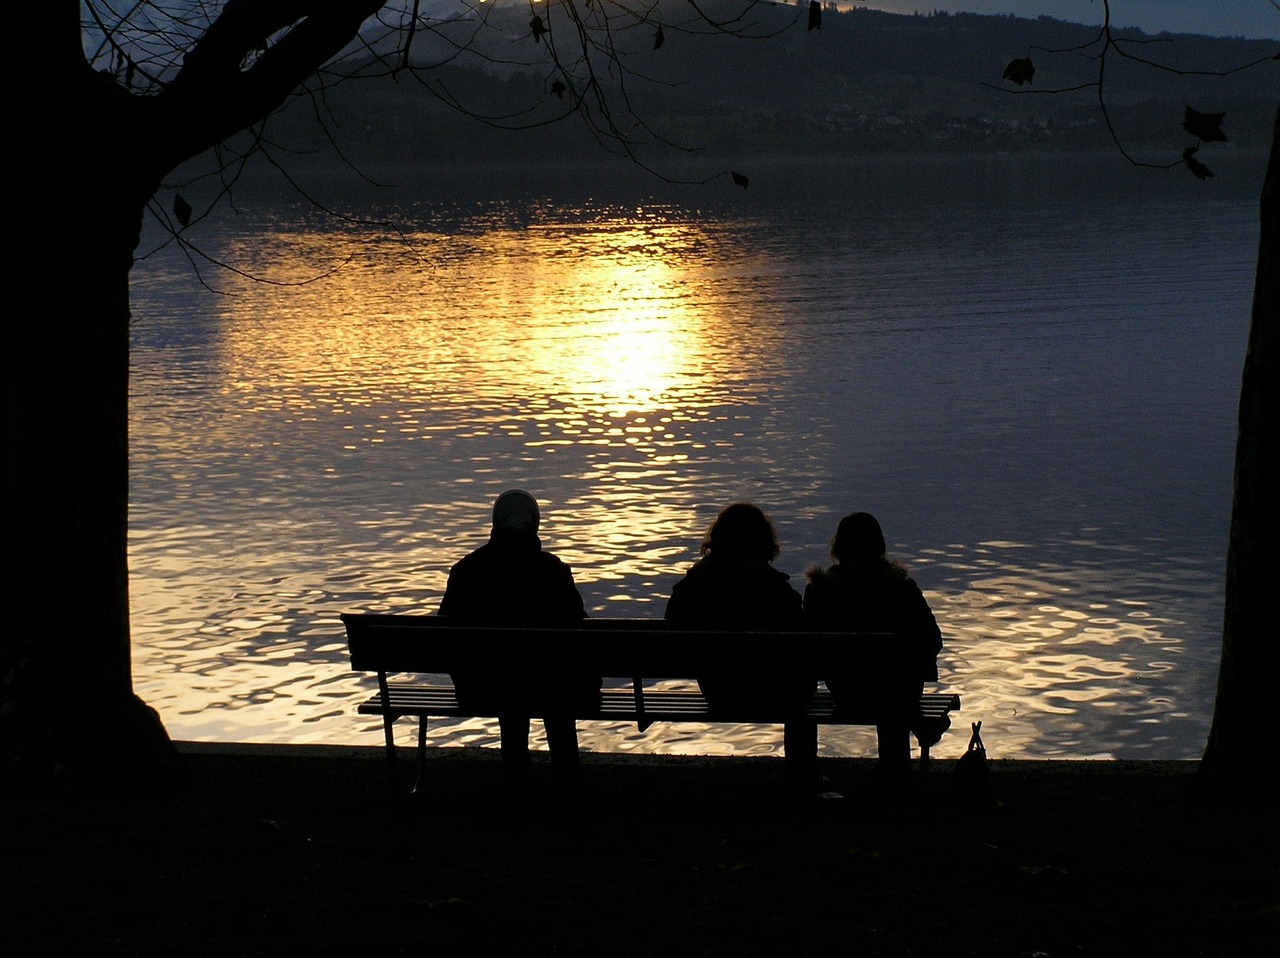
(511, 580)
(734, 585)
(865, 590)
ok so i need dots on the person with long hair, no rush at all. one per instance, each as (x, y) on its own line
(734, 585)
(865, 590)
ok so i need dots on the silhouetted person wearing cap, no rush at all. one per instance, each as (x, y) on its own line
(511, 581)
(867, 591)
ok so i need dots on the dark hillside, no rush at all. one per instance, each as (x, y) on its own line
(865, 82)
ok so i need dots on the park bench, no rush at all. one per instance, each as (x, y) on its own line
(413, 656)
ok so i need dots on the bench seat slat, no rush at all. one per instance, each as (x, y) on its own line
(661, 705)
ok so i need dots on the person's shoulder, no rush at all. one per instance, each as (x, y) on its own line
(766, 582)
(550, 570)
(778, 578)
(701, 571)
(785, 586)
(820, 576)
(896, 571)
(551, 560)
(474, 557)
(903, 579)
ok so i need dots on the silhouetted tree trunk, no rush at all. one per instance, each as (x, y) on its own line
(68, 699)
(1243, 723)
(97, 155)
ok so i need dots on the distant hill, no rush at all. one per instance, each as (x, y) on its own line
(866, 81)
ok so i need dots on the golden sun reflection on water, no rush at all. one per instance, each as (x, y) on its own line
(626, 340)
(584, 370)
(578, 341)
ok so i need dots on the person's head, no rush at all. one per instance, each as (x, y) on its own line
(741, 533)
(858, 539)
(516, 509)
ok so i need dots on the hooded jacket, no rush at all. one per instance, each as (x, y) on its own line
(875, 596)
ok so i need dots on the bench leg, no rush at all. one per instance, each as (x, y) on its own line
(388, 721)
(422, 752)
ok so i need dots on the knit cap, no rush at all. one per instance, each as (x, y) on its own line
(516, 509)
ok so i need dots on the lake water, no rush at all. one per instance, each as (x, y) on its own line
(1027, 368)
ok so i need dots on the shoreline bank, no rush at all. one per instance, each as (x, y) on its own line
(302, 849)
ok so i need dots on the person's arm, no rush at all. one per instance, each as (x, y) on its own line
(449, 601)
(563, 601)
(575, 608)
(462, 596)
(815, 606)
(793, 604)
(675, 605)
(929, 635)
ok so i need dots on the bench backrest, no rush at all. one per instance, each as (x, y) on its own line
(622, 648)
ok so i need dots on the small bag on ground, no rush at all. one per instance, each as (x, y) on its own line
(971, 775)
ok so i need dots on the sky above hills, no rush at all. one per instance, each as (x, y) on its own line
(1257, 19)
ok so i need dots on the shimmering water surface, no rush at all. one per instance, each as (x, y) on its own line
(1027, 369)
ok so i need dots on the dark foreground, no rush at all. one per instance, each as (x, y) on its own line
(269, 851)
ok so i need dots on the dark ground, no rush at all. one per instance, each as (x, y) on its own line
(291, 851)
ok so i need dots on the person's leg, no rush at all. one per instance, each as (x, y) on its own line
(800, 753)
(514, 730)
(893, 749)
(562, 741)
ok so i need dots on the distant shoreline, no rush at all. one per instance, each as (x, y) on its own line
(1238, 172)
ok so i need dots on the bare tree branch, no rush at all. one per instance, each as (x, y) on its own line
(1106, 43)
